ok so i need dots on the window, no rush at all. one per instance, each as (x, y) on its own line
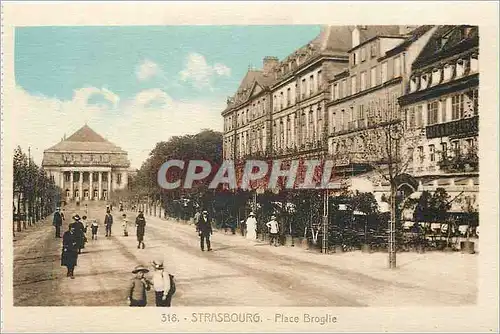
(420, 152)
(424, 81)
(432, 113)
(447, 72)
(373, 50)
(373, 76)
(361, 112)
(419, 117)
(344, 88)
(413, 84)
(275, 105)
(353, 84)
(384, 72)
(443, 110)
(319, 78)
(119, 178)
(397, 66)
(411, 118)
(363, 54)
(311, 85)
(282, 100)
(354, 60)
(444, 151)
(363, 81)
(303, 88)
(67, 176)
(336, 91)
(436, 76)
(455, 147)
(288, 96)
(470, 104)
(460, 68)
(432, 153)
(289, 131)
(457, 107)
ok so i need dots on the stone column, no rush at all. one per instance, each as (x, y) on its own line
(109, 185)
(124, 180)
(99, 194)
(91, 193)
(71, 189)
(80, 186)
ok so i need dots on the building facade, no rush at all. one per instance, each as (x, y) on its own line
(86, 166)
(364, 102)
(280, 111)
(441, 110)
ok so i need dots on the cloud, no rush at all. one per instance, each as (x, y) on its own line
(147, 69)
(200, 73)
(135, 124)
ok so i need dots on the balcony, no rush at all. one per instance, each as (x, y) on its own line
(464, 126)
(461, 162)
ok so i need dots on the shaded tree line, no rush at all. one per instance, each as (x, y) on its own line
(35, 194)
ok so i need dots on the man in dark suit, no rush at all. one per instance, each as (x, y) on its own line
(57, 222)
(204, 229)
(108, 221)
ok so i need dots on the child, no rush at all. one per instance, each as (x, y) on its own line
(94, 227)
(125, 225)
(138, 287)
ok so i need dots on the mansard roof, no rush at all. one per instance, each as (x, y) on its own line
(446, 42)
(85, 140)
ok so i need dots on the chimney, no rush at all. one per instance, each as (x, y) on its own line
(269, 63)
(355, 37)
(405, 30)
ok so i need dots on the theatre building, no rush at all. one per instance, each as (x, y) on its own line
(86, 166)
(441, 109)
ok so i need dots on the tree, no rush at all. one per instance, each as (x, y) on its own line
(384, 145)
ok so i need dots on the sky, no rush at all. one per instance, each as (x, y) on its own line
(136, 85)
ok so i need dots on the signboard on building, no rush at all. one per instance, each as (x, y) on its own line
(463, 126)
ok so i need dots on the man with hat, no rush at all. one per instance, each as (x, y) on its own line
(204, 229)
(79, 232)
(273, 227)
(57, 222)
(108, 222)
(136, 292)
(70, 248)
(140, 223)
(251, 226)
(163, 283)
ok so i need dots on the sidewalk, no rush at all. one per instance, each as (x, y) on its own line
(453, 273)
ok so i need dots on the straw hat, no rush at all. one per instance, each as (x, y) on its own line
(140, 268)
(158, 264)
(76, 217)
(273, 217)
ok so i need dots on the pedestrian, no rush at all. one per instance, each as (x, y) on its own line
(164, 285)
(86, 209)
(94, 227)
(69, 256)
(273, 227)
(108, 222)
(204, 229)
(79, 232)
(138, 287)
(125, 225)
(85, 224)
(140, 223)
(57, 222)
(121, 206)
(197, 216)
(251, 227)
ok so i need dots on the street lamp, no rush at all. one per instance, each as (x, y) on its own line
(395, 134)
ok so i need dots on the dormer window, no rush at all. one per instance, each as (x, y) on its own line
(447, 72)
(436, 76)
(424, 81)
(460, 68)
(474, 64)
(413, 84)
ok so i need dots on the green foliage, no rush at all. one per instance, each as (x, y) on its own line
(432, 207)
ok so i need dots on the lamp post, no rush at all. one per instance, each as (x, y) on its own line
(394, 136)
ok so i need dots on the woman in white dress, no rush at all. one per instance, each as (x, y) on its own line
(251, 227)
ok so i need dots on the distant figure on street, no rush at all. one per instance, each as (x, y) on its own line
(121, 206)
(94, 227)
(86, 209)
(69, 256)
(164, 285)
(273, 227)
(136, 292)
(85, 224)
(57, 222)
(125, 225)
(140, 223)
(108, 222)
(62, 214)
(197, 216)
(79, 232)
(204, 229)
(251, 227)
